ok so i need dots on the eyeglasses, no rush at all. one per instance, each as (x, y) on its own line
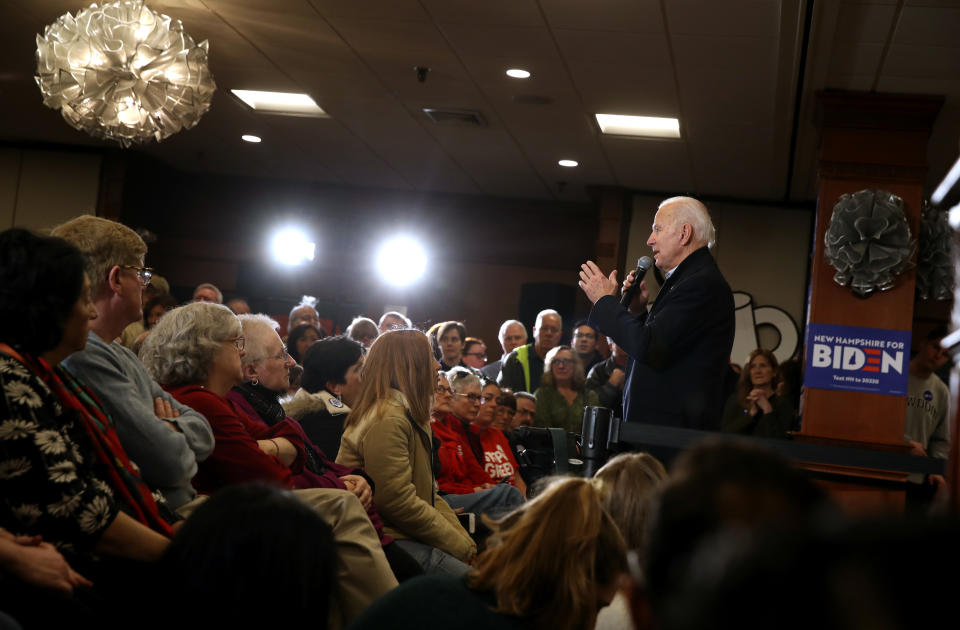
(239, 342)
(283, 354)
(473, 398)
(562, 362)
(479, 355)
(144, 273)
(442, 389)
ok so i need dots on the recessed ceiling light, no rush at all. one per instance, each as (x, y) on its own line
(286, 103)
(645, 126)
(568, 163)
(250, 138)
(518, 73)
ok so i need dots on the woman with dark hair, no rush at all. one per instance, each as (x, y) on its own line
(755, 408)
(556, 562)
(301, 338)
(63, 473)
(275, 562)
(562, 394)
(451, 337)
(153, 310)
(474, 353)
(388, 435)
(328, 388)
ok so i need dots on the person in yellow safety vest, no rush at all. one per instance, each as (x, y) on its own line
(522, 368)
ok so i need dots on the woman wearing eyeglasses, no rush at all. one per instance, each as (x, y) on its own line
(561, 396)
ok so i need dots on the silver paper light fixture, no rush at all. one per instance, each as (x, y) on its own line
(123, 72)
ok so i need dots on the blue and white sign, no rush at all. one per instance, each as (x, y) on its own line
(856, 359)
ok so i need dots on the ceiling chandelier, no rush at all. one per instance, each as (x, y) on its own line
(123, 72)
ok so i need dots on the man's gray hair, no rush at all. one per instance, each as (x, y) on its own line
(212, 287)
(692, 211)
(307, 300)
(544, 313)
(508, 324)
(461, 378)
(396, 315)
(258, 329)
(183, 344)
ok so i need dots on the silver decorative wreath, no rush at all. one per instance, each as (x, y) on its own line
(868, 241)
(935, 278)
(123, 72)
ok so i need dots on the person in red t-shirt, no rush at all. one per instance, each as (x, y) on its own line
(498, 460)
(461, 477)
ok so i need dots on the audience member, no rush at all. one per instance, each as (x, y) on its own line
(275, 562)
(388, 435)
(512, 335)
(498, 460)
(305, 313)
(474, 353)
(927, 426)
(506, 411)
(526, 410)
(756, 409)
(392, 320)
(584, 342)
(450, 338)
(562, 396)
(329, 388)
(156, 287)
(364, 330)
(462, 477)
(608, 377)
(556, 562)
(195, 351)
(239, 306)
(164, 437)
(301, 337)
(627, 484)
(64, 476)
(153, 310)
(523, 367)
(206, 292)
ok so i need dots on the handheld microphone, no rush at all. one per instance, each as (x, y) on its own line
(643, 266)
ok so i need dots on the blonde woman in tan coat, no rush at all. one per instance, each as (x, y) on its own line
(388, 434)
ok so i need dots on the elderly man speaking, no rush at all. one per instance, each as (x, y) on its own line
(680, 348)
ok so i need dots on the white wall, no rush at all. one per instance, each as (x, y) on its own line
(41, 189)
(761, 250)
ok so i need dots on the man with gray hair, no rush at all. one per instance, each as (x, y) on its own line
(206, 292)
(523, 367)
(512, 335)
(680, 348)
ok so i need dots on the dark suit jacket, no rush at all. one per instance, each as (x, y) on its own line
(679, 349)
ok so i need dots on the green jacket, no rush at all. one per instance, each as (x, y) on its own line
(553, 410)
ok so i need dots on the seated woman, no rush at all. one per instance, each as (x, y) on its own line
(558, 561)
(300, 338)
(364, 330)
(63, 473)
(755, 408)
(498, 460)
(388, 435)
(328, 388)
(266, 369)
(461, 478)
(562, 395)
(195, 353)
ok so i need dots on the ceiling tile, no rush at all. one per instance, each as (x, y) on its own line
(650, 165)
(864, 23)
(637, 16)
(927, 62)
(375, 9)
(517, 42)
(924, 26)
(731, 18)
(855, 58)
(489, 12)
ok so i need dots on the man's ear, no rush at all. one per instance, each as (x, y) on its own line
(335, 388)
(113, 279)
(686, 234)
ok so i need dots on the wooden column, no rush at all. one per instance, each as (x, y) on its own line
(868, 141)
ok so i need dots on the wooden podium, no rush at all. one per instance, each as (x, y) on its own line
(867, 141)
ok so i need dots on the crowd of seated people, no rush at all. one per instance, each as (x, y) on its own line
(188, 472)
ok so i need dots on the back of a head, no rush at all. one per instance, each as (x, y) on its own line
(549, 557)
(398, 360)
(103, 243)
(627, 484)
(254, 553)
(180, 348)
(40, 281)
(328, 360)
(720, 485)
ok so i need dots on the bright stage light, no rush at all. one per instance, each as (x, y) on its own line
(401, 261)
(290, 246)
